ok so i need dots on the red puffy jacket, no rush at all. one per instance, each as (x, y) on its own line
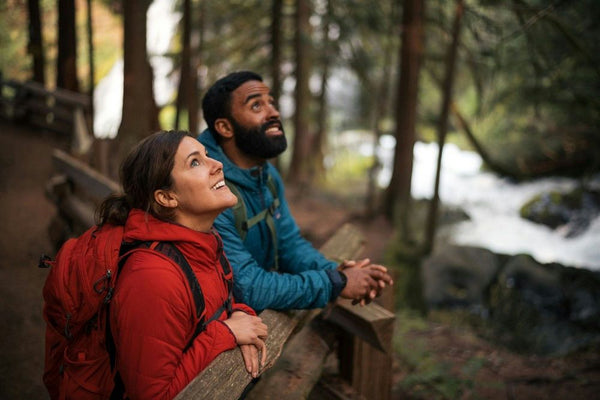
(153, 314)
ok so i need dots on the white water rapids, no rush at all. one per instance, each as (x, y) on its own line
(493, 205)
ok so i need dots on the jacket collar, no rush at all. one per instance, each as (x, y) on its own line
(141, 226)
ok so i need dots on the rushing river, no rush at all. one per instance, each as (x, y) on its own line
(493, 205)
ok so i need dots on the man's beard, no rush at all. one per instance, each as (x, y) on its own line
(255, 142)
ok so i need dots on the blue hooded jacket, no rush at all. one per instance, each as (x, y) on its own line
(305, 279)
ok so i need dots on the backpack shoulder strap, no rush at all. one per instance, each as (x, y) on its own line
(240, 214)
(273, 189)
(171, 251)
(243, 224)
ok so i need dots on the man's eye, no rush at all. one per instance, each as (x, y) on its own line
(255, 106)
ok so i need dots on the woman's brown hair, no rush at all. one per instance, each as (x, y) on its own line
(146, 169)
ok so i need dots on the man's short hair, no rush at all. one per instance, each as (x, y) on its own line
(217, 100)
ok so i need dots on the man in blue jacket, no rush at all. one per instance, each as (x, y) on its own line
(244, 131)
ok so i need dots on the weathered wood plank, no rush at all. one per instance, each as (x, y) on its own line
(300, 366)
(51, 110)
(372, 323)
(68, 97)
(226, 377)
(53, 125)
(348, 248)
(45, 107)
(368, 370)
(92, 182)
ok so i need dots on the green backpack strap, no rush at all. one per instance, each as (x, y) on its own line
(239, 210)
(243, 224)
(271, 221)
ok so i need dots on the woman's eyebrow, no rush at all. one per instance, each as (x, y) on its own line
(193, 153)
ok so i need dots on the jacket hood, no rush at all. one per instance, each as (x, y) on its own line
(245, 178)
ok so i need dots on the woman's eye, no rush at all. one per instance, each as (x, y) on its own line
(195, 163)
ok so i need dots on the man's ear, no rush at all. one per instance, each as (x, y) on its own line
(224, 128)
(165, 198)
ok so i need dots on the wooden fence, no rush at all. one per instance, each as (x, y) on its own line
(61, 111)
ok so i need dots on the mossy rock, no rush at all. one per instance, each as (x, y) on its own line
(555, 209)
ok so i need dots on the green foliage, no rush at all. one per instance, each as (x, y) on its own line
(236, 36)
(527, 78)
(14, 63)
(527, 81)
(428, 377)
(346, 173)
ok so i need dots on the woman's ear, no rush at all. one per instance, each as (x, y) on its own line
(165, 198)
(224, 128)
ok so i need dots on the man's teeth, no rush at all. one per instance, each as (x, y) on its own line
(218, 185)
(273, 129)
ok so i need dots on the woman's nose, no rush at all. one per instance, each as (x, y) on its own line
(217, 165)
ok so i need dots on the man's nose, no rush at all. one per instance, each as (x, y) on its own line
(273, 111)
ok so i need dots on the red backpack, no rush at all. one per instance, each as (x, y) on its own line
(79, 359)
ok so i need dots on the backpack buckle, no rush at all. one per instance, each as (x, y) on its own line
(274, 210)
(102, 284)
(45, 261)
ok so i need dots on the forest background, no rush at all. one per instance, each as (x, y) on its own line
(516, 80)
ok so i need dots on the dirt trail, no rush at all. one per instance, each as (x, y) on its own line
(25, 164)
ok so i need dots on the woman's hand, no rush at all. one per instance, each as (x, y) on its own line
(250, 333)
(250, 355)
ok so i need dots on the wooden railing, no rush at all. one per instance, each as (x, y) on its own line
(62, 111)
(299, 341)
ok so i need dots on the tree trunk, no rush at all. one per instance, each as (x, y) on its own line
(140, 113)
(66, 61)
(197, 46)
(317, 153)
(431, 224)
(197, 50)
(91, 61)
(298, 173)
(379, 112)
(398, 193)
(276, 15)
(35, 47)
(184, 90)
(276, 21)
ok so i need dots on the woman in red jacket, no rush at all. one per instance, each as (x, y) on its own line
(172, 193)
